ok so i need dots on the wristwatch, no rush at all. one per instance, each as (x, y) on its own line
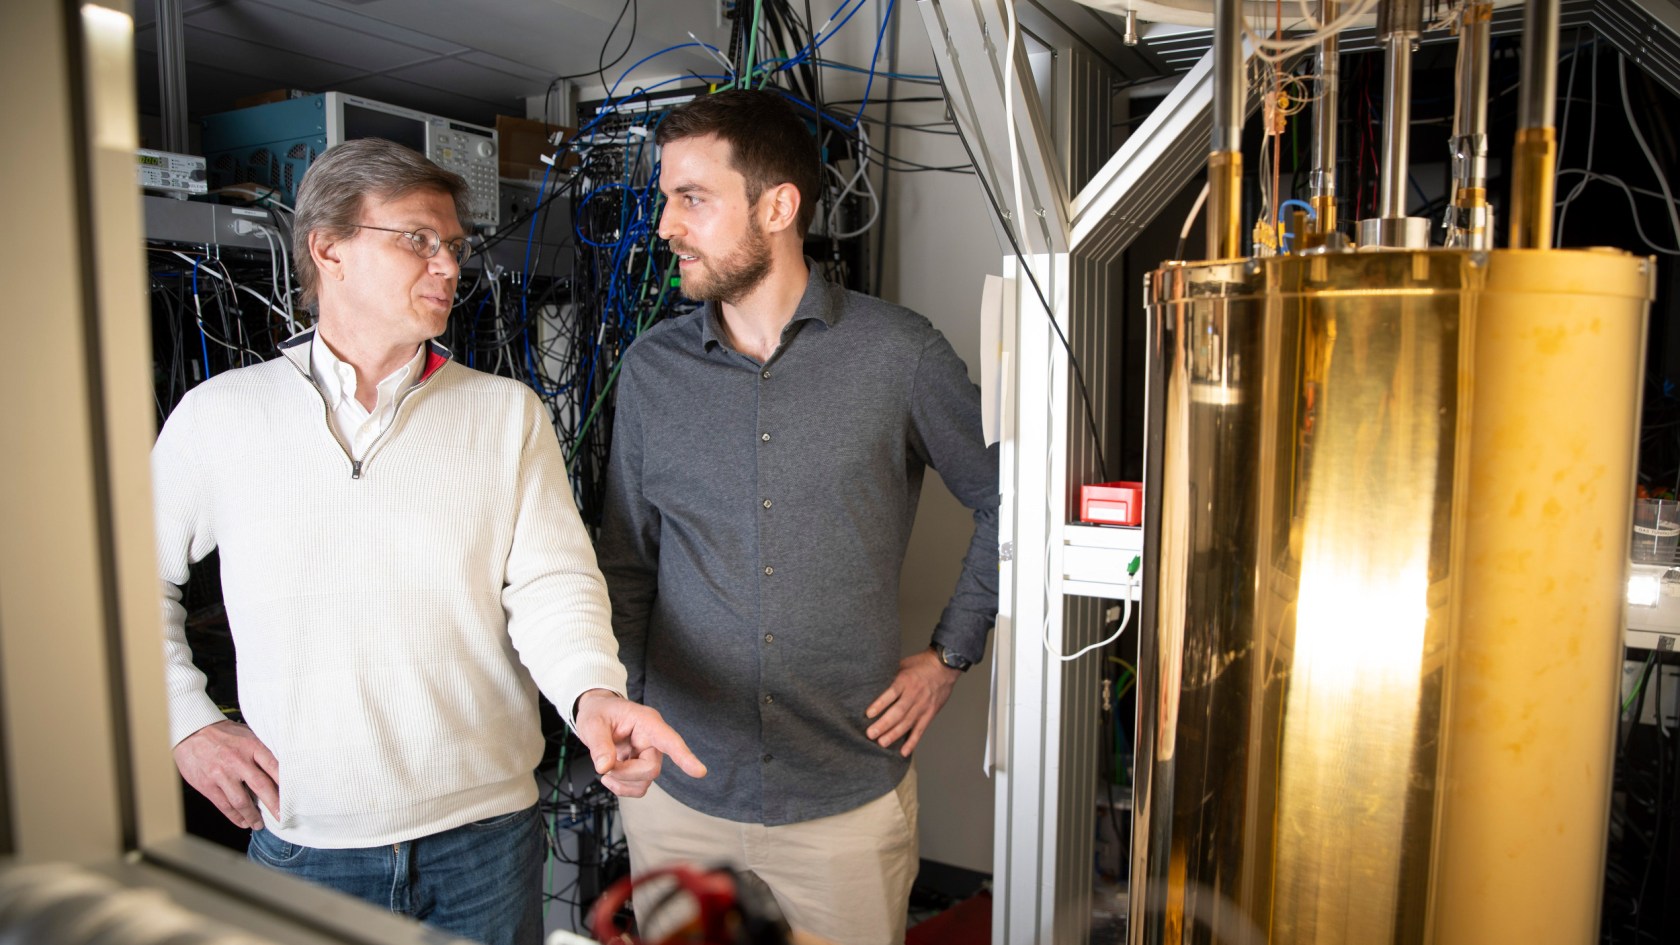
(951, 658)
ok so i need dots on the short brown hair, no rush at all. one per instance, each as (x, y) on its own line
(339, 183)
(768, 141)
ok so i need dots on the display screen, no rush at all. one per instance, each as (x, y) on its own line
(362, 122)
(151, 160)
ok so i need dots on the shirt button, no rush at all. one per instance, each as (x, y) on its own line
(769, 570)
(769, 638)
(765, 437)
(768, 757)
(766, 503)
(765, 375)
(769, 699)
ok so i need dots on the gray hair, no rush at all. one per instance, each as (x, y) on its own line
(340, 181)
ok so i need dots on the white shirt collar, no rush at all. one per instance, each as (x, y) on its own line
(337, 378)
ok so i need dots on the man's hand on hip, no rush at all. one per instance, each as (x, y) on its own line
(910, 703)
(228, 764)
(628, 742)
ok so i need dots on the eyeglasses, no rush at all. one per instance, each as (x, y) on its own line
(426, 242)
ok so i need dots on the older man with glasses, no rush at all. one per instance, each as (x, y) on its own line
(403, 569)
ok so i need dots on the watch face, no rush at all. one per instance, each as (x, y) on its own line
(953, 660)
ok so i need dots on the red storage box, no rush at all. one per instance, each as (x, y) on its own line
(1111, 503)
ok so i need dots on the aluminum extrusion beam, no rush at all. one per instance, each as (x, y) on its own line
(1646, 31)
(976, 86)
(1153, 164)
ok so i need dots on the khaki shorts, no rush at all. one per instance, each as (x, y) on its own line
(844, 878)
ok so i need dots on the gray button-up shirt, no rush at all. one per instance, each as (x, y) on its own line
(756, 522)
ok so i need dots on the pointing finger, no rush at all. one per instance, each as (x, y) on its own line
(666, 739)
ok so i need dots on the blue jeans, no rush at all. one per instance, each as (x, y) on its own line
(481, 881)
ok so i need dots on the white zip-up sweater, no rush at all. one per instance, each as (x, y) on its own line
(389, 615)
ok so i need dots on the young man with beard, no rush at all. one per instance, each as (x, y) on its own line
(767, 457)
(403, 568)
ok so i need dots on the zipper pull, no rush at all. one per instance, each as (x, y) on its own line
(355, 469)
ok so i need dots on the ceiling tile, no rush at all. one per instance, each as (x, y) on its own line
(372, 19)
(468, 79)
(258, 24)
(428, 97)
(506, 66)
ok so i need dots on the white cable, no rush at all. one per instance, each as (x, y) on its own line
(851, 183)
(834, 208)
(273, 259)
(195, 262)
(1276, 51)
(1611, 178)
(1633, 208)
(1454, 12)
(275, 241)
(1662, 180)
(1592, 135)
(286, 273)
(253, 293)
(1195, 208)
(236, 287)
(1125, 618)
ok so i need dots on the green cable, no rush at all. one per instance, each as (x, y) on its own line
(554, 830)
(752, 44)
(641, 324)
(1643, 676)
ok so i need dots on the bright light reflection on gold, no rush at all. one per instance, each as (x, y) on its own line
(1379, 691)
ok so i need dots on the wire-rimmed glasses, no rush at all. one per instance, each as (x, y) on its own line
(426, 242)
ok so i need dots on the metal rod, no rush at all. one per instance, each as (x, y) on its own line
(1228, 81)
(1534, 157)
(1396, 129)
(1224, 222)
(1325, 122)
(1539, 64)
(1470, 221)
(172, 75)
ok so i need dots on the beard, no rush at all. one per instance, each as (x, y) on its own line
(732, 277)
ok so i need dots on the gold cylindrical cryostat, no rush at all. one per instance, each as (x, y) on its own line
(1388, 500)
